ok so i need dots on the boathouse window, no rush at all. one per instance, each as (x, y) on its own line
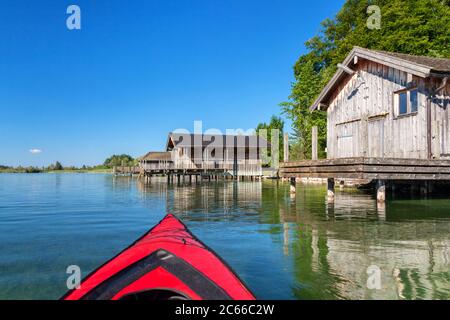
(413, 100)
(403, 103)
(407, 101)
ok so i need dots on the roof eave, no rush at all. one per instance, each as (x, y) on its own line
(325, 90)
(378, 57)
(394, 62)
(439, 74)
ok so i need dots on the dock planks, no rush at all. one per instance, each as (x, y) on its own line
(368, 168)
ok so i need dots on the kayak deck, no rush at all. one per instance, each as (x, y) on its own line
(168, 262)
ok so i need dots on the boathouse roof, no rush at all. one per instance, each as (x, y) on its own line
(420, 66)
(157, 156)
(216, 140)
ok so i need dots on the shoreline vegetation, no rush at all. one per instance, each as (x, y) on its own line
(57, 167)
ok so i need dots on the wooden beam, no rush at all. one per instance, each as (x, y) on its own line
(369, 161)
(314, 137)
(428, 109)
(369, 168)
(286, 147)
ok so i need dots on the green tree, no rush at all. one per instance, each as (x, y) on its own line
(32, 169)
(275, 123)
(420, 27)
(119, 160)
(58, 166)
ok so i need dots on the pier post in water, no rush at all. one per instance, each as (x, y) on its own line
(330, 189)
(381, 191)
(424, 189)
(293, 187)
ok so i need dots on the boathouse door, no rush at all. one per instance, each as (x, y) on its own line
(443, 129)
(375, 138)
(345, 140)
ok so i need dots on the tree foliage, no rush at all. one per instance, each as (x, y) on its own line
(58, 166)
(275, 123)
(119, 160)
(420, 27)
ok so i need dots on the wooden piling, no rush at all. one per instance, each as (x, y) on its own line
(424, 189)
(430, 187)
(381, 191)
(314, 137)
(293, 187)
(286, 147)
(330, 189)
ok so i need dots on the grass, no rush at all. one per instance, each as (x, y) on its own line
(80, 171)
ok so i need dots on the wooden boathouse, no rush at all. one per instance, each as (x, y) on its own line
(207, 156)
(387, 121)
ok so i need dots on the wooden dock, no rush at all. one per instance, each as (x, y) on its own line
(126, 170)
(181, 174)
(368, 169)
(420, 173)
(197, 174)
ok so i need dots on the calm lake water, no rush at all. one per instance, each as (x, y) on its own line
(282, 247)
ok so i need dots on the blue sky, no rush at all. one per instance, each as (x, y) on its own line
(139, 69)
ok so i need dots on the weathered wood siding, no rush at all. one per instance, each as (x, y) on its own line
(440, 123)
(182, 160)
(364, 122)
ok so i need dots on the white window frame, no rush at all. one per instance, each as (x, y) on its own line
(408, 102)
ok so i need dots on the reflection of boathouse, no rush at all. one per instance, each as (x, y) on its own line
(334, 257)
(219, 197)
(327, 248)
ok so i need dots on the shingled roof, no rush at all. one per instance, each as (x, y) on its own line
(157, 156)
(216, 140)
(436, 65)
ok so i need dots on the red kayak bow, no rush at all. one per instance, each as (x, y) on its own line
(167, 263)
